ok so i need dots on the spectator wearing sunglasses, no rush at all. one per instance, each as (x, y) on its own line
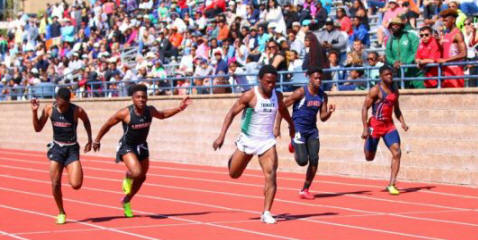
(428, 52)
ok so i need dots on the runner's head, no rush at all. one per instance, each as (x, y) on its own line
(315, 76)
(63, 96)
(386, 74)
(139, 95)
(267, 78)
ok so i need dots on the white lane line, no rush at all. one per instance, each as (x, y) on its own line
(256, 175)
(234, 209)
(2, 233)
(261, 186)
(129, 227)
(72, 220)
(366, 212)
(138, 211)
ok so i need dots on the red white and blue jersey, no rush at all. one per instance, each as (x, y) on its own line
(382, 110)
(304, 112)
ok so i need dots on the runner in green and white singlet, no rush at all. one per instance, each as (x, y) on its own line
(260, 106)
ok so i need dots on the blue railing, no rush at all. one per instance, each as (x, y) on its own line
(216, 83)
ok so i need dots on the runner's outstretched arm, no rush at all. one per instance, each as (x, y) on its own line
(113, 120)
(172, 111)
(39, 123)
(288, 101)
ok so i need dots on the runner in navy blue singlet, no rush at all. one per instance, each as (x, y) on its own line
(64, 150)
(133, 148)
(308, 101)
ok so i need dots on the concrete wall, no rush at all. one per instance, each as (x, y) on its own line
(441, 145)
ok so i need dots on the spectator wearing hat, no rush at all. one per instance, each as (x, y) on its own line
(221, 65)
(453, 49)
(331, 38)
(401, 49)
(428, 52)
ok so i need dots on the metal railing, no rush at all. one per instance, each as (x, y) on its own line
(212, 84)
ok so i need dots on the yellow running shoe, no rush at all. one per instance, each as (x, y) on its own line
(61, 218)
(127, 210)
(127, 184)
(393, 190)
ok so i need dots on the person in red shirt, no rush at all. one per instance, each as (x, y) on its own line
(454, 49)
(223, 31)
(428, 52)
(175, 38)
(345, 22)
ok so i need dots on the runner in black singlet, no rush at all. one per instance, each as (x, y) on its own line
(133, 148)
(64, 150)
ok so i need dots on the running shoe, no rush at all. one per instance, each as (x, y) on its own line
(61, 218)
(127, 184)
(393, 190)
(305, 194)
(267, 217)
(127, 210)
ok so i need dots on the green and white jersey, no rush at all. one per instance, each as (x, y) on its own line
(259, 121)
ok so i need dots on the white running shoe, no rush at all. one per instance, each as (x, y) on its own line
(268, 218)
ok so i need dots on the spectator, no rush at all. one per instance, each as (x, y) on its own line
(316, 55)
(401, 49)
(453, 49)
(471, 41)
(428, 52)
(345, 21)
(273, 14)
(331, 38)
(360, 32)
(237, 78)
(296, 45)
(460, 20)
(373, 60)
(221, 65)
(335, 75)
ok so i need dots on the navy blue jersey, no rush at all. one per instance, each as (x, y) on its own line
(136, 131)
(64, 124)
(304, 112)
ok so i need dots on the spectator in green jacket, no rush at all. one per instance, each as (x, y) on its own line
(401, 49)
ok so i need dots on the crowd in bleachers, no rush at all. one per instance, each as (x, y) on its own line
(113, 43)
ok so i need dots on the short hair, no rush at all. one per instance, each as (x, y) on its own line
(385, 68)
(64, 93)
(374, 53)
(313, 70)
(267, 69)
(424, 28)
(136, 88)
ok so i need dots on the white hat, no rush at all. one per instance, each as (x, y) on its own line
(34, 71)
(271, 25)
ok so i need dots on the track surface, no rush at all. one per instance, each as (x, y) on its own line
(180, 201)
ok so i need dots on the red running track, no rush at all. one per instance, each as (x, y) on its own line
(184, 201)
